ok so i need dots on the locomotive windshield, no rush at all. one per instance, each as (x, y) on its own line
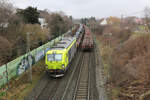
(58, 57)
(54, 57)
(50, 57)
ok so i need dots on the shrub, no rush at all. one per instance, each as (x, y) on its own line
(132, 60)
(5, 49)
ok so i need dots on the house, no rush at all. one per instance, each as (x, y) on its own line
(42, 16)
(103, 22)
(4, 25)
(133, 20)
(43, 22)
(113, 20)
(138, 21)
(43, 13)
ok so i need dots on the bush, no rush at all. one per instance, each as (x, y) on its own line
(132, 60)
(5, 49)
(37, 34)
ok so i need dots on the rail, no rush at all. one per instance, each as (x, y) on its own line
(70, 79)
(82, 89)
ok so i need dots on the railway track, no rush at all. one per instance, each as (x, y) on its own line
(75, 85)
(82, 88)
(49, 92)
(75, 70)
(78, 83)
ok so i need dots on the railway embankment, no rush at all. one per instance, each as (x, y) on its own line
(20, 87)
(101, 73)
(125, 57)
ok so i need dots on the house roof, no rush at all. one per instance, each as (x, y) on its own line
(103, 21)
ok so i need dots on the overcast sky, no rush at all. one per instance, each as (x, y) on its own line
(87, 8)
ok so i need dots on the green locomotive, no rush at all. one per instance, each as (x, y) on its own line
(59, 56)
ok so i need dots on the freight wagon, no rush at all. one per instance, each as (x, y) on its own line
(87, 43)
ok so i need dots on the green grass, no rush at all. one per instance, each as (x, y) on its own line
(2, 94)
(142, 27)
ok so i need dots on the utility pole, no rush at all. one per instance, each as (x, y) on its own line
(71, 23)
(7, 86)
(121, 20)
(29, 57)
(110, 54)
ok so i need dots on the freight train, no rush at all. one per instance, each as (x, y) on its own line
(58, 58)
(87, 43)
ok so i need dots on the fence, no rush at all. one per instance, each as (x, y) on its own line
(18, 66)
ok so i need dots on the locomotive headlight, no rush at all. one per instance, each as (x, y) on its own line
(63, 66)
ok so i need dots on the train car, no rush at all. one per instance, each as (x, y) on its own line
(79, 35)
(87, 43)
(79, 40)
(59, 57)
(79, 31)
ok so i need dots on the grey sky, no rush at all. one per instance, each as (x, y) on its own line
(87, 8)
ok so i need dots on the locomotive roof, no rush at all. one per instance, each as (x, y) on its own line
(79, 30)
(64, 43)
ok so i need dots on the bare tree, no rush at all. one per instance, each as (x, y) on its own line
(147, 17)
(5, 49)
(6, 11)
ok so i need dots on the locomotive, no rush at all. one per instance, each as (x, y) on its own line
(58, 58)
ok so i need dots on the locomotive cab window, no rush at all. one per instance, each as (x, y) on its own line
(58, 57)
(50, 57)
(54, 57)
